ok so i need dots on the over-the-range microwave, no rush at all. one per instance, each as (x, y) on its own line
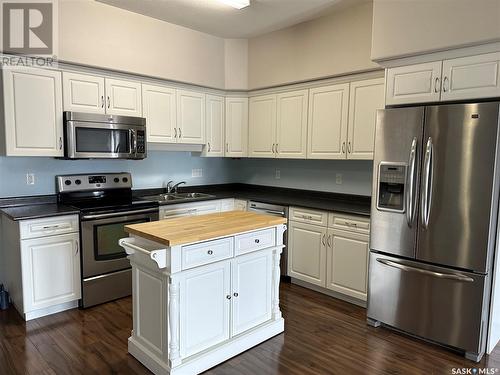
(90, 135)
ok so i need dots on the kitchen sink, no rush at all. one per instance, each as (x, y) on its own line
(176, 197)
(192, 195)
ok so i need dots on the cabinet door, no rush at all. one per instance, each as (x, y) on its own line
(123, 98)
(365, 98)
(347, 263)
(209, 207)
(307, 253)
(327, 124)
(291, 127)
(190, 117)
(33, 112)
(83, 93)
(251, 287)
(471, 77)
(418, 83)
(262, 126)
(50, 271)
(236, 127)
(158, 107)
(214, 126)
(204, 307)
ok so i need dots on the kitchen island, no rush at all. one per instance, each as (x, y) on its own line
(205, 288)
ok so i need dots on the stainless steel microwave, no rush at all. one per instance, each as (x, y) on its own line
(90, 135)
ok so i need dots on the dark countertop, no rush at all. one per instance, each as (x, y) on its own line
(345, 203)
(36, 211)
(25, 208)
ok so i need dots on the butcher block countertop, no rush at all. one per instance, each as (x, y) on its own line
(190, 229)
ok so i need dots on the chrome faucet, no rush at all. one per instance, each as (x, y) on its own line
(169, 186)
(174, 187)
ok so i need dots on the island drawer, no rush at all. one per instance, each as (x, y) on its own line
(206, 252)
(253, 241)
(306, 215)
(49, 226)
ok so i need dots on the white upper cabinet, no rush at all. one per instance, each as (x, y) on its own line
(158, 107)
(83, 93)
(214, 126)
(365, 98)
(327, 124)
(262, 126)
(471, 77)
(190, 117)
(236, 127)
(33, 112)
(291, 127)
(123, 97)
(418, 83)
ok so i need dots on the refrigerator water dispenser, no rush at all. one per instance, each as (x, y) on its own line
(391, 187)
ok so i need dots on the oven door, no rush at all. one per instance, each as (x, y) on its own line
(101, 253)
(103, 140)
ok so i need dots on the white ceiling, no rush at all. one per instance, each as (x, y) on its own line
(213, 17)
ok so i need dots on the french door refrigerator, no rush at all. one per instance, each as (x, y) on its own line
(433, 222)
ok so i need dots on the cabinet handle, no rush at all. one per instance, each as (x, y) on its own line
(349, 147)
(109, 102)
(445, 80)
(180, 133)
(210, 252)
(272, 148)
(77, 245)
(436, 85)
(227, 146)
(175, 132)
(323, 241)
(102, 101)
(235, 294)
(228, 296)
(60, 143)
(343, 147)
(257, 240)
(209, 147)
(277, 150)
(329, 240)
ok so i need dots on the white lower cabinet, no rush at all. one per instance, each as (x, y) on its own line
(347, 263)
(204, 307)
(171, 211)
(42, 264)
(50, 271)
(307, 252)
(335, 259)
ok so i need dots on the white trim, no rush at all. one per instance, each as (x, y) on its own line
(50, 310)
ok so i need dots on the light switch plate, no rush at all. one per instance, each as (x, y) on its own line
(30, 179)
(338, 178)
(277, 174)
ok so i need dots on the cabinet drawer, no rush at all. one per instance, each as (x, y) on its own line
(306, 215)
(48, 226)
(248, 242)
(206, 252)
(350, 223)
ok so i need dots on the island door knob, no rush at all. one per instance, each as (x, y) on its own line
(210, 252)
(235, 294)
(228, 296)
(257, 240)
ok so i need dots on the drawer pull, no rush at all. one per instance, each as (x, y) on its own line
(236, 294)
(257, 240)
(210, 252)
(228, 296)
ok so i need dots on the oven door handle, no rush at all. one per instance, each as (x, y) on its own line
(121, 213)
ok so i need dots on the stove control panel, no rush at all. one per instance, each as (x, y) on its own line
(83, 182)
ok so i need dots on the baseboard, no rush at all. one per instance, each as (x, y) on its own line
(209, 358)
(49, 310)
(329, 292)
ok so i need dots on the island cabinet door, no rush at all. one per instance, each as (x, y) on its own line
(204, 307)
(251, 290)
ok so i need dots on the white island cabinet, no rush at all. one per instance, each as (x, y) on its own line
(205, 288)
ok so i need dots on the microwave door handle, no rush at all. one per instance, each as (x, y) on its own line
(132, 142)
(410, 202)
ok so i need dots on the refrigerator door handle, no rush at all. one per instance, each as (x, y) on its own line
(427, 193)
(441, 275)
(410, 204)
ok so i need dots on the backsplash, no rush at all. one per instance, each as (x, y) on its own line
(308, 174)
(153, 171)
(161, 166)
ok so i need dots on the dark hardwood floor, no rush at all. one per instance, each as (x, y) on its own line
(323, 336)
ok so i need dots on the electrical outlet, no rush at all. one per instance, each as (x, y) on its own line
(338, 178)
(30, 179)
(197, 172)
(278, 174)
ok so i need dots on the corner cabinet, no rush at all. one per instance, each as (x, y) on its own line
(470, 77)
(190, 117)
(33, 112)
(236, 136)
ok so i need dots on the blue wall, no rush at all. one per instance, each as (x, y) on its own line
(161, 166)
(157, 168)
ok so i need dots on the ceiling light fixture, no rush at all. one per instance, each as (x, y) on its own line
(238, 4)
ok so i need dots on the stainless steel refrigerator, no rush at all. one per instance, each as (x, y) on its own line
(433, 222)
